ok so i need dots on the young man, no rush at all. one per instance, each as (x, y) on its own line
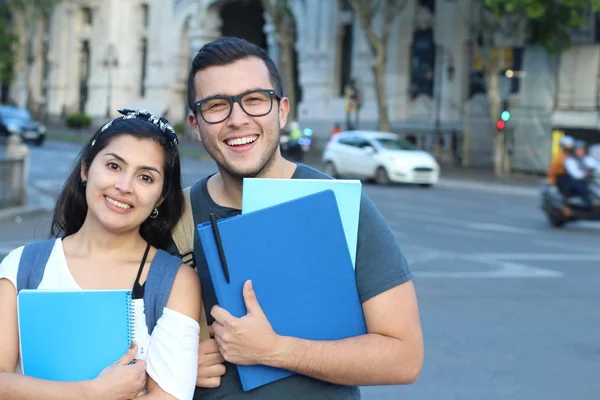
(237, 110)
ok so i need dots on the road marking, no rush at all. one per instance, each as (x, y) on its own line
(499, 228)
(564, 246)
(539, 256)
(460, 232)
(489, 187)
(480, 226)
(505, 268)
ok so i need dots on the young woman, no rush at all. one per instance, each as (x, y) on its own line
(116, 210)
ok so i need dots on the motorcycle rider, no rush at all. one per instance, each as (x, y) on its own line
(579, 173)
(588, 162)
(557, 174)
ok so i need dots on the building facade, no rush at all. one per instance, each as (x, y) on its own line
(109, 54)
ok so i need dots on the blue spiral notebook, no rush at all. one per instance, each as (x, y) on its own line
(73, 335)
(297, 257)
(262, 192)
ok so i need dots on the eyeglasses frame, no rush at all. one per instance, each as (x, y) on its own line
(237, 99)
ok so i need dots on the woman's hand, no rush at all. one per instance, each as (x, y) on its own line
(122, 380)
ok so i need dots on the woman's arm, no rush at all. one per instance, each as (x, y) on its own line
(176, 333)
(119, 381)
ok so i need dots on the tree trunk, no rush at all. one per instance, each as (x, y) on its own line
(379, 75)
(287, 60)
(493, 96)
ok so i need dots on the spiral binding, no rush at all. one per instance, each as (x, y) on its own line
(130, 319)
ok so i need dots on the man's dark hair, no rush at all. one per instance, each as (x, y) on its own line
(225, 51)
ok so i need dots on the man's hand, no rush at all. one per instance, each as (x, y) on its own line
(210, 363)
(122, 380)
(247, 340)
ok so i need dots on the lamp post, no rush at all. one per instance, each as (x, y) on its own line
(109, 62)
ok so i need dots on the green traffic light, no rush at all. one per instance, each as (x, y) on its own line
(505, 115)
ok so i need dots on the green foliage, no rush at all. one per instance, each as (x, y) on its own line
(79, 121)
(549, 21)
(180, 128)
(7, 41)
(31, 10)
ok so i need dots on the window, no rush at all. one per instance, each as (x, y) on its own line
(344, 46)
(84, 74)
(348, 141)
(87, 16)
(143, 60)
(145, 15)
(362, 143)
(395, 144)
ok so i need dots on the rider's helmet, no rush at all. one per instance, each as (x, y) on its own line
(579, 144)
(567, 143)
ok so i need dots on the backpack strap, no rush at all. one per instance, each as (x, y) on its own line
(183, 233)
(33, 264)
(183, 236)
(158, 286)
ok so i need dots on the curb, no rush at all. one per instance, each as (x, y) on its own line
(43, 204)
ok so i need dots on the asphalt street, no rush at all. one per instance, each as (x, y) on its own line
(509, 306)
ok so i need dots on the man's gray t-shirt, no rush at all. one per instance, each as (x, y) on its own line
(380, 265)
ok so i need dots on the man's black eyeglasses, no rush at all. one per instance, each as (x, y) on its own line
(255, 103)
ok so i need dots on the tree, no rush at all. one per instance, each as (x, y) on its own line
(499, 23)
(282, 17)
(368, 11)
(7, 41)
(31, 15)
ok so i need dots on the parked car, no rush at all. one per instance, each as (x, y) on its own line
(18, 121)
(381, 156)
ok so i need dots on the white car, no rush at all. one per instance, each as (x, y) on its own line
(384, 157)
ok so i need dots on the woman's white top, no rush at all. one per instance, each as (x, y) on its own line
(171, 353)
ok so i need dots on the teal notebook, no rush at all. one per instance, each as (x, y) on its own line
(259, 193)
(73, 335)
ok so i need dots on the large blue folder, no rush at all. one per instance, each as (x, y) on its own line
(262, 192)
(297, 257)
(73, 335)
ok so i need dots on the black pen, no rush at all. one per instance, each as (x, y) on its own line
(215, 228)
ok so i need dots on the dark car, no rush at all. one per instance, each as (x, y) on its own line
(18, 121)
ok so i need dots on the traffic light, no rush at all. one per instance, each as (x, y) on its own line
(504, 116)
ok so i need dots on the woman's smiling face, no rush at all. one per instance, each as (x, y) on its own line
(125, 182)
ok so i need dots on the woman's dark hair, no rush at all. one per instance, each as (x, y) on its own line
(225, 51)
(71, 206)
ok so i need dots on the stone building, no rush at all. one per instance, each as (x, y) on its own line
(107, 54)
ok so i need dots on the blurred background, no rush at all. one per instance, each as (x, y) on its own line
(476, 95)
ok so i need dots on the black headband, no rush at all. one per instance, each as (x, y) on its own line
(159, 122)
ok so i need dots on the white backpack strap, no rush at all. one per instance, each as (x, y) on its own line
(183, 234)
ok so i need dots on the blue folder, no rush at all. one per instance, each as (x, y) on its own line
(297, 257)
(73, 335)
(260, 193)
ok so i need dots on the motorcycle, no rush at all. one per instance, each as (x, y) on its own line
(553, 201)
(295, 149)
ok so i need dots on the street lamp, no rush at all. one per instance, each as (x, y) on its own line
(109, 62)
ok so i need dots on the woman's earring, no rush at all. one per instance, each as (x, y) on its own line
(83, 182)
(154, 213)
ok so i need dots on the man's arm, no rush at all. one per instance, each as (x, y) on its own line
(573, 169)
(391, 353)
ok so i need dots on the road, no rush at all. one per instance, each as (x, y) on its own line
(509, 306)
